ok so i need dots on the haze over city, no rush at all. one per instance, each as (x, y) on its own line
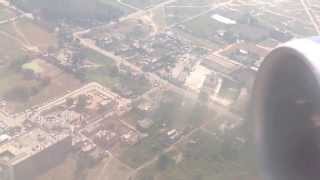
(136, 89)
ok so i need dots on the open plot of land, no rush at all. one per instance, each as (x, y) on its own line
(109, 170)
(195, 3)
(110, 75)
(286, 15)
(173, 113)
(6, 13)
(60, 83)
(182, 10)
(296, 26)
(16, 77)
(206, 27)
(10, 48)
(119, 5)
(177, 14)
(203, 156)
(143, 3)
(142, 152)
(250, 22)
(64, 171)
(52, 83)
(79, 13)
(32, 36)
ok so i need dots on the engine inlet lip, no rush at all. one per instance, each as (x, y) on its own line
(311, 64)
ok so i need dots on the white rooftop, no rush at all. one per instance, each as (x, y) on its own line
(223, 19)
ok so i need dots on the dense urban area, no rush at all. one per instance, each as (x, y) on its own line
(136, 89)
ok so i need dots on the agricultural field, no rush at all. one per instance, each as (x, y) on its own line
(143, 3)
(35, 82)
(108, 168)
(204, 156)
(30, 35)
(28, 80)
(178, 14)
(111, 169)
(60, 82)
(10, 48)
(116, 3)
(77, 12)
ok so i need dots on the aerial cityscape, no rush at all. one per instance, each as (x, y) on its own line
(136, 89)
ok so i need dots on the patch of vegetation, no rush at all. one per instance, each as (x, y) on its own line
(33, 66)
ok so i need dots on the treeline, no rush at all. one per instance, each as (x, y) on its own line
(79, 11)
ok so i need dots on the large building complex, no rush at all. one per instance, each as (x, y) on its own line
(31, 154)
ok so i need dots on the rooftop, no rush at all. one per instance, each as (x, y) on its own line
(26, 145)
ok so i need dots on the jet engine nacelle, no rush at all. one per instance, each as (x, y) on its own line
(286, 109)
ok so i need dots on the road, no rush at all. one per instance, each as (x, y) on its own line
(134, 15)
(311, 16)
(152, 76)
(91, 45)
(144, 11)
(215, 6)
(128, 5)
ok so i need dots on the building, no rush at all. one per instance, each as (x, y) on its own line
(31, 154)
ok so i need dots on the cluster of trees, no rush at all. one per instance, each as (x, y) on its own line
(24, 92)
(75, 10)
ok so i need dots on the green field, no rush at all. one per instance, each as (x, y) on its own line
(34, 66)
